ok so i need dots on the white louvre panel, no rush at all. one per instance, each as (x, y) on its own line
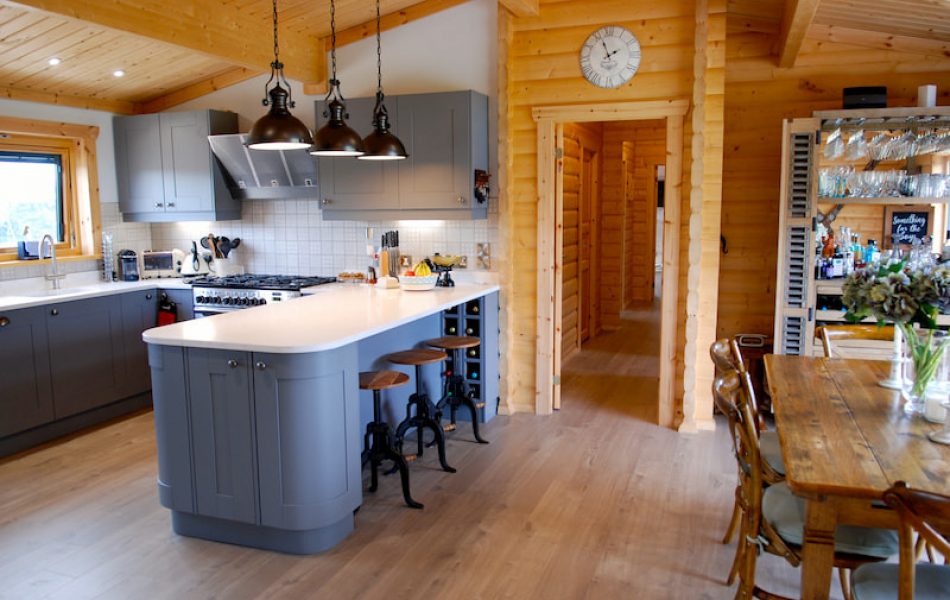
(799, 170)
(793, 335)
(796, 266)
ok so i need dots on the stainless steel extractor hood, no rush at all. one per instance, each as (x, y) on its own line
(264, 175)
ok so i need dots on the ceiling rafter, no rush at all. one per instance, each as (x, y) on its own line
(799, 15)
(204, 26)
(522, 8)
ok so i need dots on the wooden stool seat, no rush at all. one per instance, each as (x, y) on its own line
(454, 342)
(382, 380)
(416, 357)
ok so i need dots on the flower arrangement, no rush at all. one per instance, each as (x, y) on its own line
(904, 294)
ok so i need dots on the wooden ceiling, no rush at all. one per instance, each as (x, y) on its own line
(174, 51)
(914, 26)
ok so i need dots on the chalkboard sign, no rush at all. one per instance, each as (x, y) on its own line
(908, 225)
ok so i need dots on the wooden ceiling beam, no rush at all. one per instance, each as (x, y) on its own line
(799, 15)
(205, 26)
(522, 8)
(113, 106)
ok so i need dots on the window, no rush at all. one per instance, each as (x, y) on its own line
(49, 183)
(31, 197)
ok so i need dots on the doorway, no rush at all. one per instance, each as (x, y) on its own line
(551, 237)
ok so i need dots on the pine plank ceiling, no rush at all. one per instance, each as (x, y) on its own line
(170, 55)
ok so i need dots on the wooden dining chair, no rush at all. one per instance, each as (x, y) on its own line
(727, 358)
(839, 333)
(928, 515)
(772, 517)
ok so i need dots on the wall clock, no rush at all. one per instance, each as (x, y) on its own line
(610, 57)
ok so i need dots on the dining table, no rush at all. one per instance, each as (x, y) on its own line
(845, 440)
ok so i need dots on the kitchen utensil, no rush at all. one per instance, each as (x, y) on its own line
(224, 247)
(236, 242)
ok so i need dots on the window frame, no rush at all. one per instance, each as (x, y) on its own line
(61, 148)
(76, 146)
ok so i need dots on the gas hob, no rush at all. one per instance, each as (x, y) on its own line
(214, 295)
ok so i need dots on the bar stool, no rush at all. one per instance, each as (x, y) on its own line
(424, 416)
(378, 443)
(456, 391)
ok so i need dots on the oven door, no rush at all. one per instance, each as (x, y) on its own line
(207, 311)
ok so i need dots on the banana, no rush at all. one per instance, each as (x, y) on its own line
(422, 269)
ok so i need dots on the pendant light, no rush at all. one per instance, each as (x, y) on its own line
(335, 138)
(381, 144)
(278, 129)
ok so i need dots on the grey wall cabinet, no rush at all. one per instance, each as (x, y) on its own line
(446, 136)
(85, 349)
(222, 434)
(166, 170)
(348, 184)
(26, 397)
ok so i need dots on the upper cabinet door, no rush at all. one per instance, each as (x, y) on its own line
(138, 157)
(186, 157)
(435, 129)
(350, 184)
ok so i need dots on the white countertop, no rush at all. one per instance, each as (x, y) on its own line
(333, 316)
(13, 298)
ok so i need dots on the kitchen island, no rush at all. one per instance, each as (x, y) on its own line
(258, 415)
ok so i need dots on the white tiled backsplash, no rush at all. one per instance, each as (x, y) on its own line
(291, 237)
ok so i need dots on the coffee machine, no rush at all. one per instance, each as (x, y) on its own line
(128, 265)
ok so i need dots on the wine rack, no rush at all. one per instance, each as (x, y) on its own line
(477, 318)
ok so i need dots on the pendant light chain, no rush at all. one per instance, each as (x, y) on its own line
(333, 80)
(379, 53)
(276, 46)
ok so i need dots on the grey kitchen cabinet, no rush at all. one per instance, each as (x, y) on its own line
(165, 168)
(85, 353)
(349, 184)
(26, 396)
(446, 137)
(184, 301)
(139, 312)
(223, 434)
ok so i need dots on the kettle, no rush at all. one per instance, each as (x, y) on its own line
(128, 265)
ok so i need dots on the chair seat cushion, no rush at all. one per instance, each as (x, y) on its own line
(879, 581)
(786, 513)
(771, 451)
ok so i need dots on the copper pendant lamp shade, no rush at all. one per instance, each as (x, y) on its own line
(278, 129)
(381, 144)
(335, 138)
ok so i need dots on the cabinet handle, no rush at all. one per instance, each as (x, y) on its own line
(159, 205)
(170, 205)
(148, 296)
(233, 363)
(261, 365)
(326, 201)
(54, 312)
(462, 200)
(4, 321)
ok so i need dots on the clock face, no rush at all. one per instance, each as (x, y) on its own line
(610, 57)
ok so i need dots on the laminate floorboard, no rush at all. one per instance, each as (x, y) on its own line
(592, 502)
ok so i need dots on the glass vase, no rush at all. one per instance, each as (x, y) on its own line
(925, 366)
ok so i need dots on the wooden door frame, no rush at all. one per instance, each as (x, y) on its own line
(550, 125)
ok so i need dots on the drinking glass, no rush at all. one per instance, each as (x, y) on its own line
(857, 147)
(834, 146)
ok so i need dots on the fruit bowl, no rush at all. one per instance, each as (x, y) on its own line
(444, 260)
(416, 283)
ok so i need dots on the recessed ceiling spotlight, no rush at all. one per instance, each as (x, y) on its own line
(54, 61)
(118, 73)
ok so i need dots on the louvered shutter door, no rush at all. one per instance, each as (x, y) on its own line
(793, 324)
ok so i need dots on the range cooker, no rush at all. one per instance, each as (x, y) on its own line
(215, 295)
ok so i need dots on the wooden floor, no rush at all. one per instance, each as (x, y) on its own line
(593, 502)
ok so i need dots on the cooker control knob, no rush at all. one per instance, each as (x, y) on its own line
(263, 300)
(227, 300)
